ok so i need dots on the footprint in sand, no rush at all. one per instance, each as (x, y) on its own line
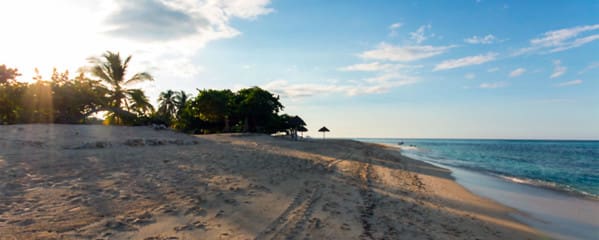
(196, 211)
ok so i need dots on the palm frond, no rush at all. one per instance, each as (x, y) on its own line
(139, 101)
(139, 77)
(99, 72)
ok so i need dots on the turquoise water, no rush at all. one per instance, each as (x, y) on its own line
(564, 165)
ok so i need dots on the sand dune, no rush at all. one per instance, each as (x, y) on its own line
(98, 182)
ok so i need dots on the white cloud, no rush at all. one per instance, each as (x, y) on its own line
(393, 79)
(396, 25)
(558, 69)
(517, 72)
(560, 40)
(386, 75)
(419, 35)
(285, 89)
(366, 67)
(481, 40)
(163, 36)
(403, 54)
(569, 83)
(393, 27)
(591, 66)
(495, 69)
(576, 43)
(493, 85)
(470, 76)
(557, 37)
(380, 84)
(185, 68)
(244, 9)
(466, 61)
(376, 67)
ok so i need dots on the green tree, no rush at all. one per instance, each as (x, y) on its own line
(139, 103)
(111, 70)
(215, 107)
(181, 99)
(60, 99)
(11, 93)
(258, 109)
(8, 75)
(171, 105)
(92, 95)
(167, 105)
(11, 109)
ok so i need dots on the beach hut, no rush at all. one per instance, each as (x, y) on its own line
(323, 130)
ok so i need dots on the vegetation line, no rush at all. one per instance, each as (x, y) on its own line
(103, 87)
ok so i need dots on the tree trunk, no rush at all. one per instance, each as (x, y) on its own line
(227, 128)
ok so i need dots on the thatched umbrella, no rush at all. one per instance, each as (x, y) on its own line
(302, 129)
(323, 130)
(295, 123)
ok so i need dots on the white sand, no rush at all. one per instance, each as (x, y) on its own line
(96, 182)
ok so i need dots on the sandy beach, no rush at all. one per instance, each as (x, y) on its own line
(107, 182)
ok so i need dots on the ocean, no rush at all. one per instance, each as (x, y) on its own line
(571, 166)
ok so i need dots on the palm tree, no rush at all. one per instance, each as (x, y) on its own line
(167, 104)
(181, 99)
(111, 70)
(139, 102)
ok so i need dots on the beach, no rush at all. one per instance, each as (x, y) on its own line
(108, 182)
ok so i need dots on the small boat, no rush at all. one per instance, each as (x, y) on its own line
(400, 143)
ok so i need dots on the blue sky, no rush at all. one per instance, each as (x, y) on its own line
(448, 69)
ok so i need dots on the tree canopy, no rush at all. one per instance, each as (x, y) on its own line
(8, 74)
(247, 110)
(103, 87)
(57, 100)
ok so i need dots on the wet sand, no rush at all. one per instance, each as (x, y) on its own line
(560, 214)
(97, 182)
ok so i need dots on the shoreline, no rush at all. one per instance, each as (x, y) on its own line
(106, 182)
(560, 213)
(550, 186)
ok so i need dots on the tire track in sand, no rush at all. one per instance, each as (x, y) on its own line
(370, 201)
(291, 223)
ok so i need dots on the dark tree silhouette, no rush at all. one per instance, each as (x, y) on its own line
(167, 106)
(257, 108)
(111, 70)
(214, 106)
(8, 75)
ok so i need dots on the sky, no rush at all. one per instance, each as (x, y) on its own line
(401, 69)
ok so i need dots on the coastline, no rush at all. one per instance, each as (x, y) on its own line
(564, 166)
(559, 213)
(72, 182)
